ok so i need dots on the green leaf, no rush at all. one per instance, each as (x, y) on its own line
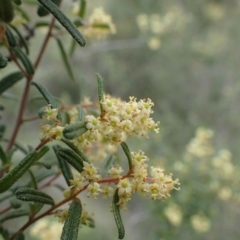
(10, 96)
(78, 22)
(22, 12)
(15, 203)
(101, 25)
(14, 214)
(20, 236)
(76, 150)
(65, 59)
(3, 157)
(100, 91)
(65, 168)
(117, 215)
(42, 152)
(33, 180)
(48, 97)
(71, 225)
(2, 128)
(71, 157)
(24, 60)
(82, 8)
(46, 165)
(6, 11)
(18, 2)
(81, 113)
(10, 80)
(108, 162)
(42, 12)
(21, 38)
(3, 61)
(127, 153)
(4, 233)
(69, 26)
(8, 180)
(74, 130)
(32, 195)
(72, 47)
(45, 24)
(35, 208)
(43, 175)
(59, 187)
(90, 222)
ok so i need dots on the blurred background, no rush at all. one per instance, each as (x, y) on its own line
(185, 56)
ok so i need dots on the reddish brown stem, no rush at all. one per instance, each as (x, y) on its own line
(29, 78)
(49, 211)
(5, 210)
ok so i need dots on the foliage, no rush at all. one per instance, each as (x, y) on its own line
(91, 130)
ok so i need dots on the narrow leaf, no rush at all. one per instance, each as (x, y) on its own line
(127, 153)
(6, 11)
(33, 180)
(59, 187)
(72, 47)
(20, 236)
(15, 203)
(8, 180)
(18, 2)
(24, 60)
(42, 12)
(76, 150)
(3, 61)
(65, 59)
(71, 225)
(22, 12)
(46, 165)
(71, 157)
(117, 215)
(10, 80)
(69, 26)
(42, 176)
(101, 25)
(100, 91)
(14, 214)
(21, 38)
(35, 208)
(10, 37)
(42, 152)
(89, 222)
(74, 130)
(65, 168)
(4, 233)
(81, 113)
(3, 157)
(48, 97)
(2, 129)
(108, 162)
(82, 8)
(32, 195)
(45, 24)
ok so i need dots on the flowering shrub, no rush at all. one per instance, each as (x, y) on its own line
(91, 131)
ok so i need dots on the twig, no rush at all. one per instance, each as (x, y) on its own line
(24, 99)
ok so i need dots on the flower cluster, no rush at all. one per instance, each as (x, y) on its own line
(157, 186)
(201, 146)
(121, 119)
(53, 131)
(158, 25)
